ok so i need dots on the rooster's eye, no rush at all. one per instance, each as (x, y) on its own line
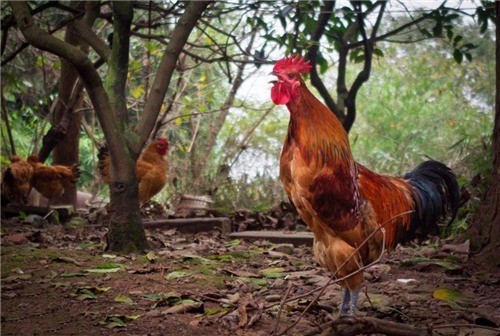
(291, 76)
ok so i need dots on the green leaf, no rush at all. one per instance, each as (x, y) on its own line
(151, 256)
(378, 52)
(458, 56)
(154, 297)
(185, 306)
(17, 277)
(213, 311)
(457, 39)
(117, 321)
(86, 295)
(232, 243)
(99, 270)
(137, 93)
(67, 260)
(254, 281)
(447, 265)
(453, 259)
(176, 275)
(359, 58)
(167, 300)
(124, 299)
(274, 272)
(449, 34)
(113, 322)
(438, 29)
(109, 266)
(426, 33)
(91, 245)
(274, 275)
(150, 46)
(447, 294)
(469, 46)
(88, 292)
(191, 257)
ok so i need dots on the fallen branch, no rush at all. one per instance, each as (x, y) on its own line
(468, 326)
(351, 326)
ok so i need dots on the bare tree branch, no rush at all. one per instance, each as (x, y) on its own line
(152, 107)
(91, 79)
(364, 75)
(312, 54)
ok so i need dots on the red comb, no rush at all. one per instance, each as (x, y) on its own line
(294, 62)
(162, 141)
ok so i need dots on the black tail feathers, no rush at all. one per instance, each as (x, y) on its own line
(103, 164)
(436, 197)
(103, 153)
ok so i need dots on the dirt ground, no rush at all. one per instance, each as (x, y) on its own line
(56, 280)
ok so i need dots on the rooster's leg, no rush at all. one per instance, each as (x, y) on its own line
(354, 301)
(349, 300)
(346, 298)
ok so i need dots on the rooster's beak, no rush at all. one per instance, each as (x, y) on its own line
(273, 74)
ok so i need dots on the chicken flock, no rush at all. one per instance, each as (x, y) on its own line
(20, 176)
(50, 181)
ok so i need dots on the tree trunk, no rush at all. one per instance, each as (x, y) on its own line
(67, 151)
(126, 233)
(485, 230)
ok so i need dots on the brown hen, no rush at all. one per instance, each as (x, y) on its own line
(53, 181)
(16, 180)
(151, 169)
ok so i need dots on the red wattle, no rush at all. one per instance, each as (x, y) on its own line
(279, 95)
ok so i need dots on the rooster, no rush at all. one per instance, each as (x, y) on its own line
(16, 180)
(53, 181)
(343, 202)
(151, 169)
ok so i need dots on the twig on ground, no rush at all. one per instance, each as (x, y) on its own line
(351, 326)
(368, 298)
(281, 308)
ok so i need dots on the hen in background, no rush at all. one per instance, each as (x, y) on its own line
(53, 181)
(16, 181)
(151, 169)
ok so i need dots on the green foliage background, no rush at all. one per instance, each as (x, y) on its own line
(419, 103)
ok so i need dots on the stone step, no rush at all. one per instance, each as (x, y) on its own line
(191, 225)
(277, 237)
(63, 211)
